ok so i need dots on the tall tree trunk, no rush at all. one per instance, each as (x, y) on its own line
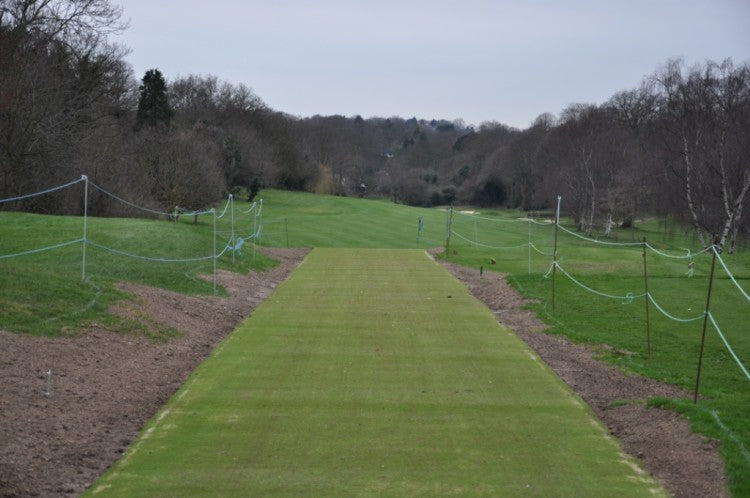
(735, 230)
(735, 211)
(689, 192)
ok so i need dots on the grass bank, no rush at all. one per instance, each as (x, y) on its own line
(44, 293)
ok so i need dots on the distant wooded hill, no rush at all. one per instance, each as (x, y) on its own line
(70, 105)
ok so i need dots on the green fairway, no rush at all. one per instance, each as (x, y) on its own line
(299, 219)
(374, 372)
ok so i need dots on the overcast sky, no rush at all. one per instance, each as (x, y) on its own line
(478, 60)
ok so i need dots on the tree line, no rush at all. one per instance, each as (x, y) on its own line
(678, 145)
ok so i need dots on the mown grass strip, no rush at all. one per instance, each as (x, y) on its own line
(374, 372)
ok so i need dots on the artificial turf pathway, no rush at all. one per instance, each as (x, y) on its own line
(374, 372)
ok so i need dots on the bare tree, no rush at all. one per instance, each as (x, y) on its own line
(59, 77)
(706, 118)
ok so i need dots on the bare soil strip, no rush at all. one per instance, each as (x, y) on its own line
(687, 464)
(106, 386)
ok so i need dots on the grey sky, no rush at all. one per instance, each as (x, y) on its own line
(479, 60)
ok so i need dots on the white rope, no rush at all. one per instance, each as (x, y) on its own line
(627, 297)
(48, 191)
(41, 249)
(251, 235)
(191, 212)
(136, 206)
(551, 267)
(250, 209)
(157, 260)
(549, 223)
(484, 245)
(603, 242)
(229, 199)
(726, 343)
(732, 435)
(742, 291)
(531, 244)
(664, 312)
(499, 220)
(689, 255)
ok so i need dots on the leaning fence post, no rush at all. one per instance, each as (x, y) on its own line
(529, 246)
(85, 223)
(260, 228)
(645, 285)
(213, 212)
(705, 323)
(255, 227)
(554, 252)
(231, 233)
(449, 228)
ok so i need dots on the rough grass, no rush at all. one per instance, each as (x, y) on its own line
(621, 323)
(44, 293)
(374, 372)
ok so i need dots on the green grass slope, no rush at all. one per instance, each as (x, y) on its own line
(374, 372)
(299, 219)
(44, 293)
(585, 315)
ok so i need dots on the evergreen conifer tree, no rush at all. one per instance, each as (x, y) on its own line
(153, 105)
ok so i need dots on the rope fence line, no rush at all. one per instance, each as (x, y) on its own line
(42, 192)
(156, 259)
(726, 269)
(596, 241)
(726, 343)
(226, 206)
(526, 244)
(41, 249)
(689, 255)
(503, 220)
(141, 208)
(498, 220)
(548, 254)
(250, 209)
(672, 317)
(706, 316)
(627, 298)
(520, 246)
(233, 245)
